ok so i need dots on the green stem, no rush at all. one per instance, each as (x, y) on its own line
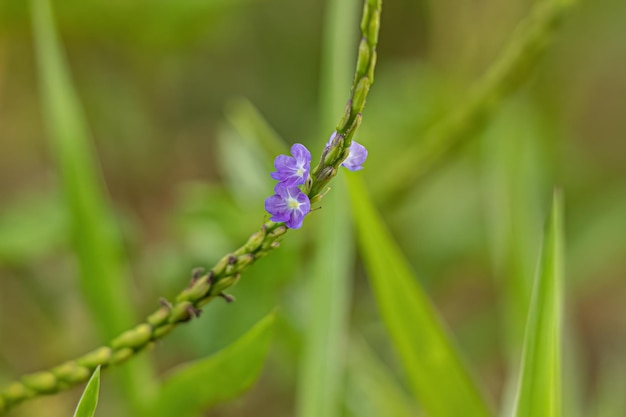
(333, 155)
(512, 68)
(227, 271)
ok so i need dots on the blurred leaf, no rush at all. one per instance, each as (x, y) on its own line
(89, 400)
(252, 127)
(323, 364)
(330, 281)
(597, 233)
(97, 247)
(95, 238)
(219, 378)
(372, 388)
(433, 366)
(539, 390)
(514, 173)
(245, 172)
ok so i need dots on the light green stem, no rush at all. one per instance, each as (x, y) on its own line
(227, 271)
(510, 70)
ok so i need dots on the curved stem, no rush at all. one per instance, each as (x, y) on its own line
(204, 288)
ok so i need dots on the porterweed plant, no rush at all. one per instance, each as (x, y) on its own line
(418, 265)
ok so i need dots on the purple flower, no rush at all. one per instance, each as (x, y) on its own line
(288, 205)
(356, 157)
(293, 170)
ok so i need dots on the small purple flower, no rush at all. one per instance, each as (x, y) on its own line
(293, 170)
(356, 157)
(288, 205)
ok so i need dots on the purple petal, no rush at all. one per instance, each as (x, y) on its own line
(277, 207)
(293, 170)
(281, 206)
(301, 154)
(295, 220)
(356, 158)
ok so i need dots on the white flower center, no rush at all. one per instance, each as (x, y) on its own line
(300, 171)
(292, 203)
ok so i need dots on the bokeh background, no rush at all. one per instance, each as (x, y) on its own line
(174, 91)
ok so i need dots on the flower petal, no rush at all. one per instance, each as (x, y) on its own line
(301, 154)
(356, 158)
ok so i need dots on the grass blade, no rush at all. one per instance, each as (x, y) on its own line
(435, 371)
(329, 288)
(97, 248)
(539, 390)
(373, 389)
(104, 275)
(253, 127)
(89, 400)
(323, 364)
(218, 378)
(514, 174)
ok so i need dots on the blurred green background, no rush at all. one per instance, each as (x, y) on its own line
(174, 91)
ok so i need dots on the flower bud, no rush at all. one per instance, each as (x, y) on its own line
(133, 338)
(41, 382)
(97, 357)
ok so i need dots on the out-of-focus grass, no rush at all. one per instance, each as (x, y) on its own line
(539, 390)
(372, 389)
(514, 165)
(323, 366)
(94, 236)
(431, 362)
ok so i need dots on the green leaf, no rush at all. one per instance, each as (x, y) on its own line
(514, 174)
(242, 167)
(89, 400)
(97, 247)
(216, 379)
(254, 128)
(437, 376)
(323, 365)
(373, 390)
(95, 236)
(539, 390)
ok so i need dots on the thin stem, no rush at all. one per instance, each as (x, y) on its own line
(508, 73)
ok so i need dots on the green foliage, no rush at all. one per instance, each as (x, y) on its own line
(431, 362)
(323, 364)
(514, 174)
(372, 389)
(95, 239)
(539, 391)
(89, 400)
(201, 384)
(323, 360)
(93, 231)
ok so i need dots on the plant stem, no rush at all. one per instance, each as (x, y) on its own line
(227, 271)
(508, 73)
